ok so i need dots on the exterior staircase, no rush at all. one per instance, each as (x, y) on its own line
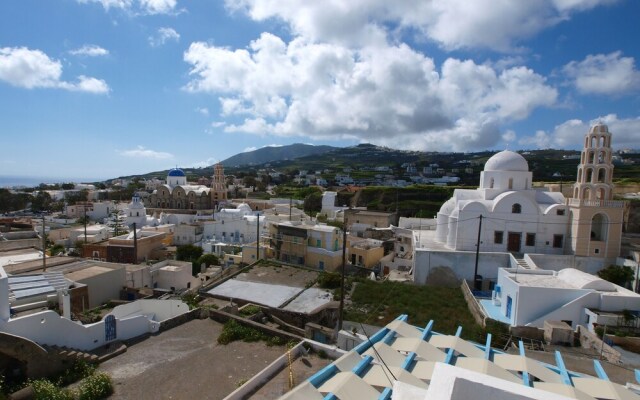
(66, 353)
(522, 263)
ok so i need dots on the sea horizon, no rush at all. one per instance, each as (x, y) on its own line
(11, 181)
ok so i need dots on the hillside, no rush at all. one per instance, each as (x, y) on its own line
(269, 154)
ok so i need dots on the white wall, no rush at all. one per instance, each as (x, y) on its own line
(462, 263)
(48, 328)
(553, 262)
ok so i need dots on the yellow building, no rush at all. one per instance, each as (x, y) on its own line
(314, 246)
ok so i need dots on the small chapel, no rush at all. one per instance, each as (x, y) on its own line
(509, 215)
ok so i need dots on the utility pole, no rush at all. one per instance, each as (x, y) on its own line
(44, 247)
(290, 205)
(84, 207)
(257, 237)
(475, 271)
(344, 262)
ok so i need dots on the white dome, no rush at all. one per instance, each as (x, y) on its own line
(507, 161)
(244, 207)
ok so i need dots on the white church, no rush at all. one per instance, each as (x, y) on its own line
(511, 217)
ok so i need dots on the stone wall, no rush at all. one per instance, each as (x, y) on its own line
(180, 319)
(223, 317)
(474, 307)
(590, 341)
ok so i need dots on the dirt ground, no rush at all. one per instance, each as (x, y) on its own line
(302, 368)
(187, 362)
(279, 275)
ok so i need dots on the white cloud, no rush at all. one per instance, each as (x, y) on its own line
(609, 74)
(453, 24)
(218, 124)
(203, 110)
(386, 94)
(109, 4)
(570, 134)
(90, 50)
(158, 6)
(248, 149)
(31, 69)
(162, 36)
(142, 152)
(144, 6)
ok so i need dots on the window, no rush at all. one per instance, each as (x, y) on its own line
(510, 183)
(559, 212)
(557, 241)
(498, 237)
(516, 209)
(318, 243)
(530, 239)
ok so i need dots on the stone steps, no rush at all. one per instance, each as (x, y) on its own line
(72, 354)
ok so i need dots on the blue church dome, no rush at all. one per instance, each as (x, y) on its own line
(176, 172)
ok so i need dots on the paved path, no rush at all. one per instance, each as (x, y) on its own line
(186, 362)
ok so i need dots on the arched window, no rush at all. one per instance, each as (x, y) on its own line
(599, 225)
(602, 174)
(589, 175)
(516, 208)
(575, 193)
(579, 174)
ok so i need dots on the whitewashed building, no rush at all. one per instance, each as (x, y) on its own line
(530, 297)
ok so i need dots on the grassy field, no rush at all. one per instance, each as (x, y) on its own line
(379, 303)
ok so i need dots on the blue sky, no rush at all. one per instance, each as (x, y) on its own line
(95, 89)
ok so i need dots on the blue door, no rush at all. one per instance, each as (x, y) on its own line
(509, 304)
(110, 328)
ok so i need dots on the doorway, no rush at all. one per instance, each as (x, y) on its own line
(513, 244)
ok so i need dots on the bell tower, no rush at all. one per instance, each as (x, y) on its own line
(218, 187)
(596, 219)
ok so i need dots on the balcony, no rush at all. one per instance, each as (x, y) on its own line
(596, 203)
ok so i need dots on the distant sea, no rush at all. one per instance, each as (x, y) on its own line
(8, 181)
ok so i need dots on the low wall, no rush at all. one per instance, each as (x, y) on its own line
(180, 319)
(223, 317)
(590, 341)
(474, 307)
(555, 262)
(529, 332)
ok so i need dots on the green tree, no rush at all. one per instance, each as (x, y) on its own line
(68, 186)
(189, 252)
(41, 202)
(76, 197)
(208, 260)
(313, 202)
(620, 275)
(56, 249)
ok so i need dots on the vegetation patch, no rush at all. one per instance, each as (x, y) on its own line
(379, 303)
(233, 331)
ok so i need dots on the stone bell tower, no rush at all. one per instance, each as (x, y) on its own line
(218, 187)
(596, 219)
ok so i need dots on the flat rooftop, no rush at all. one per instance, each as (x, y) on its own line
(87, 273)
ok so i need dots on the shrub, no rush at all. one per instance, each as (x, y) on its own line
(233, 331)
(96, 386)
(44, 389)
(329, 280)
(249, 310)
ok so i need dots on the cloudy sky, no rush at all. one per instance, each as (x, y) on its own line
(103, 88)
